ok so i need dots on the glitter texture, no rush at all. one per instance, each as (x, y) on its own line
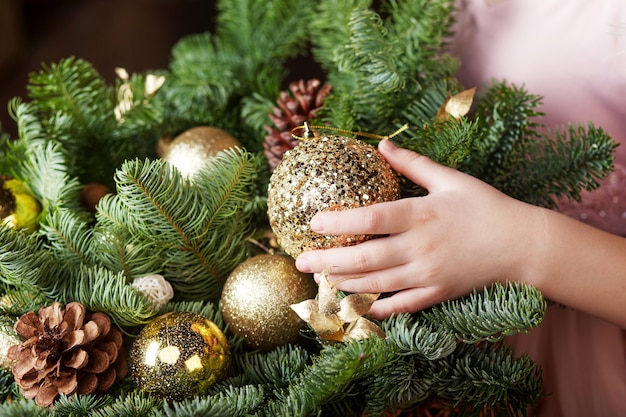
(257, 296)
(179, 355)
(320, 174)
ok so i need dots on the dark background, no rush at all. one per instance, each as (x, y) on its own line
(134, 34)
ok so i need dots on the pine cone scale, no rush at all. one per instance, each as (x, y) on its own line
(78, 359)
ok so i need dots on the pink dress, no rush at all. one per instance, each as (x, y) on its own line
(573, 53)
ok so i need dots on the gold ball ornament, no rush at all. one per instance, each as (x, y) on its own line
(190, 150)
(18, 207)
(320, 174)
(257, 296)
(179, 355)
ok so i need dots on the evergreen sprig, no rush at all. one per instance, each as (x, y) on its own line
(498, 311)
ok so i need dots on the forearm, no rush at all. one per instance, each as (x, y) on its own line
(578, 266)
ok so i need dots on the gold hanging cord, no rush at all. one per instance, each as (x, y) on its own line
(309, 133)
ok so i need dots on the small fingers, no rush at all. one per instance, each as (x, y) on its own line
(389, 280)
(372, 255)
(377, 219)
(407, 301)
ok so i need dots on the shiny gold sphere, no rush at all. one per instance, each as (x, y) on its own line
(256, 300)
(179, 355)
(320, 174)
(8, 338)
(190, 150)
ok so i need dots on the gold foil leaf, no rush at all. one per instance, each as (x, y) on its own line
(457, 105)
(337, 320)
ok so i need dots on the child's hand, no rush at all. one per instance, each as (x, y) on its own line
(463, 235)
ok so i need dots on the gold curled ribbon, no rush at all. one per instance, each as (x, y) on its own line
(309, 133)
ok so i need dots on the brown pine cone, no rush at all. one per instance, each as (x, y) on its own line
(292, 110)
(62, 353)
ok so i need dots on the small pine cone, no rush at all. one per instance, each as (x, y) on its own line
(62, 353)
(293, 110)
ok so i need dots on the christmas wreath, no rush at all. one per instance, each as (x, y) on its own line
(138, 282)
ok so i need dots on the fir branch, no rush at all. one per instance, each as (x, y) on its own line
(80, 405)
(561, 167)
(499, 311)
(201, 81)
(7, 385)
(45, 170)
(369, 55)
(68, 238)
(329, 29)
(99, 289)
(487, 377)
(277, 368)
(131, 405)
(447, 142)
(423, 109)
(254, 111)
(506, 115)
(411, 337)
(421, 27)
(115, 248)
(399, 387)
(263, 32)
(71, 86)
(20, 300)
(23, 407)
(233, 402)
(77, 107)
(23, 260)
(330, 372)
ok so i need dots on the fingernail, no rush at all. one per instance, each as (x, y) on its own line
(303, 265)
(317, 224)
(387, 145)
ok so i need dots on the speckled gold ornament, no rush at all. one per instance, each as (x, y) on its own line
(320, 174)
(190, 150)
(179, 355)
(257, 296)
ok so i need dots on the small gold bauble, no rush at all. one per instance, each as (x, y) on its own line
(179, 355)
(190, 150)
(256, 300)
(321, 174)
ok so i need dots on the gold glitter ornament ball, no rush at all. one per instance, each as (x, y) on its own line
(179, 355)
(320, 174)
(257, 297)
(190, 150)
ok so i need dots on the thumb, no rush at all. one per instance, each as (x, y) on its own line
(417, 168)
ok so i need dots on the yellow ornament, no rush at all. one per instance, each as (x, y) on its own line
(18, 207)
(256, 300)
(179, 355)
(320, 174)
(190, 150)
